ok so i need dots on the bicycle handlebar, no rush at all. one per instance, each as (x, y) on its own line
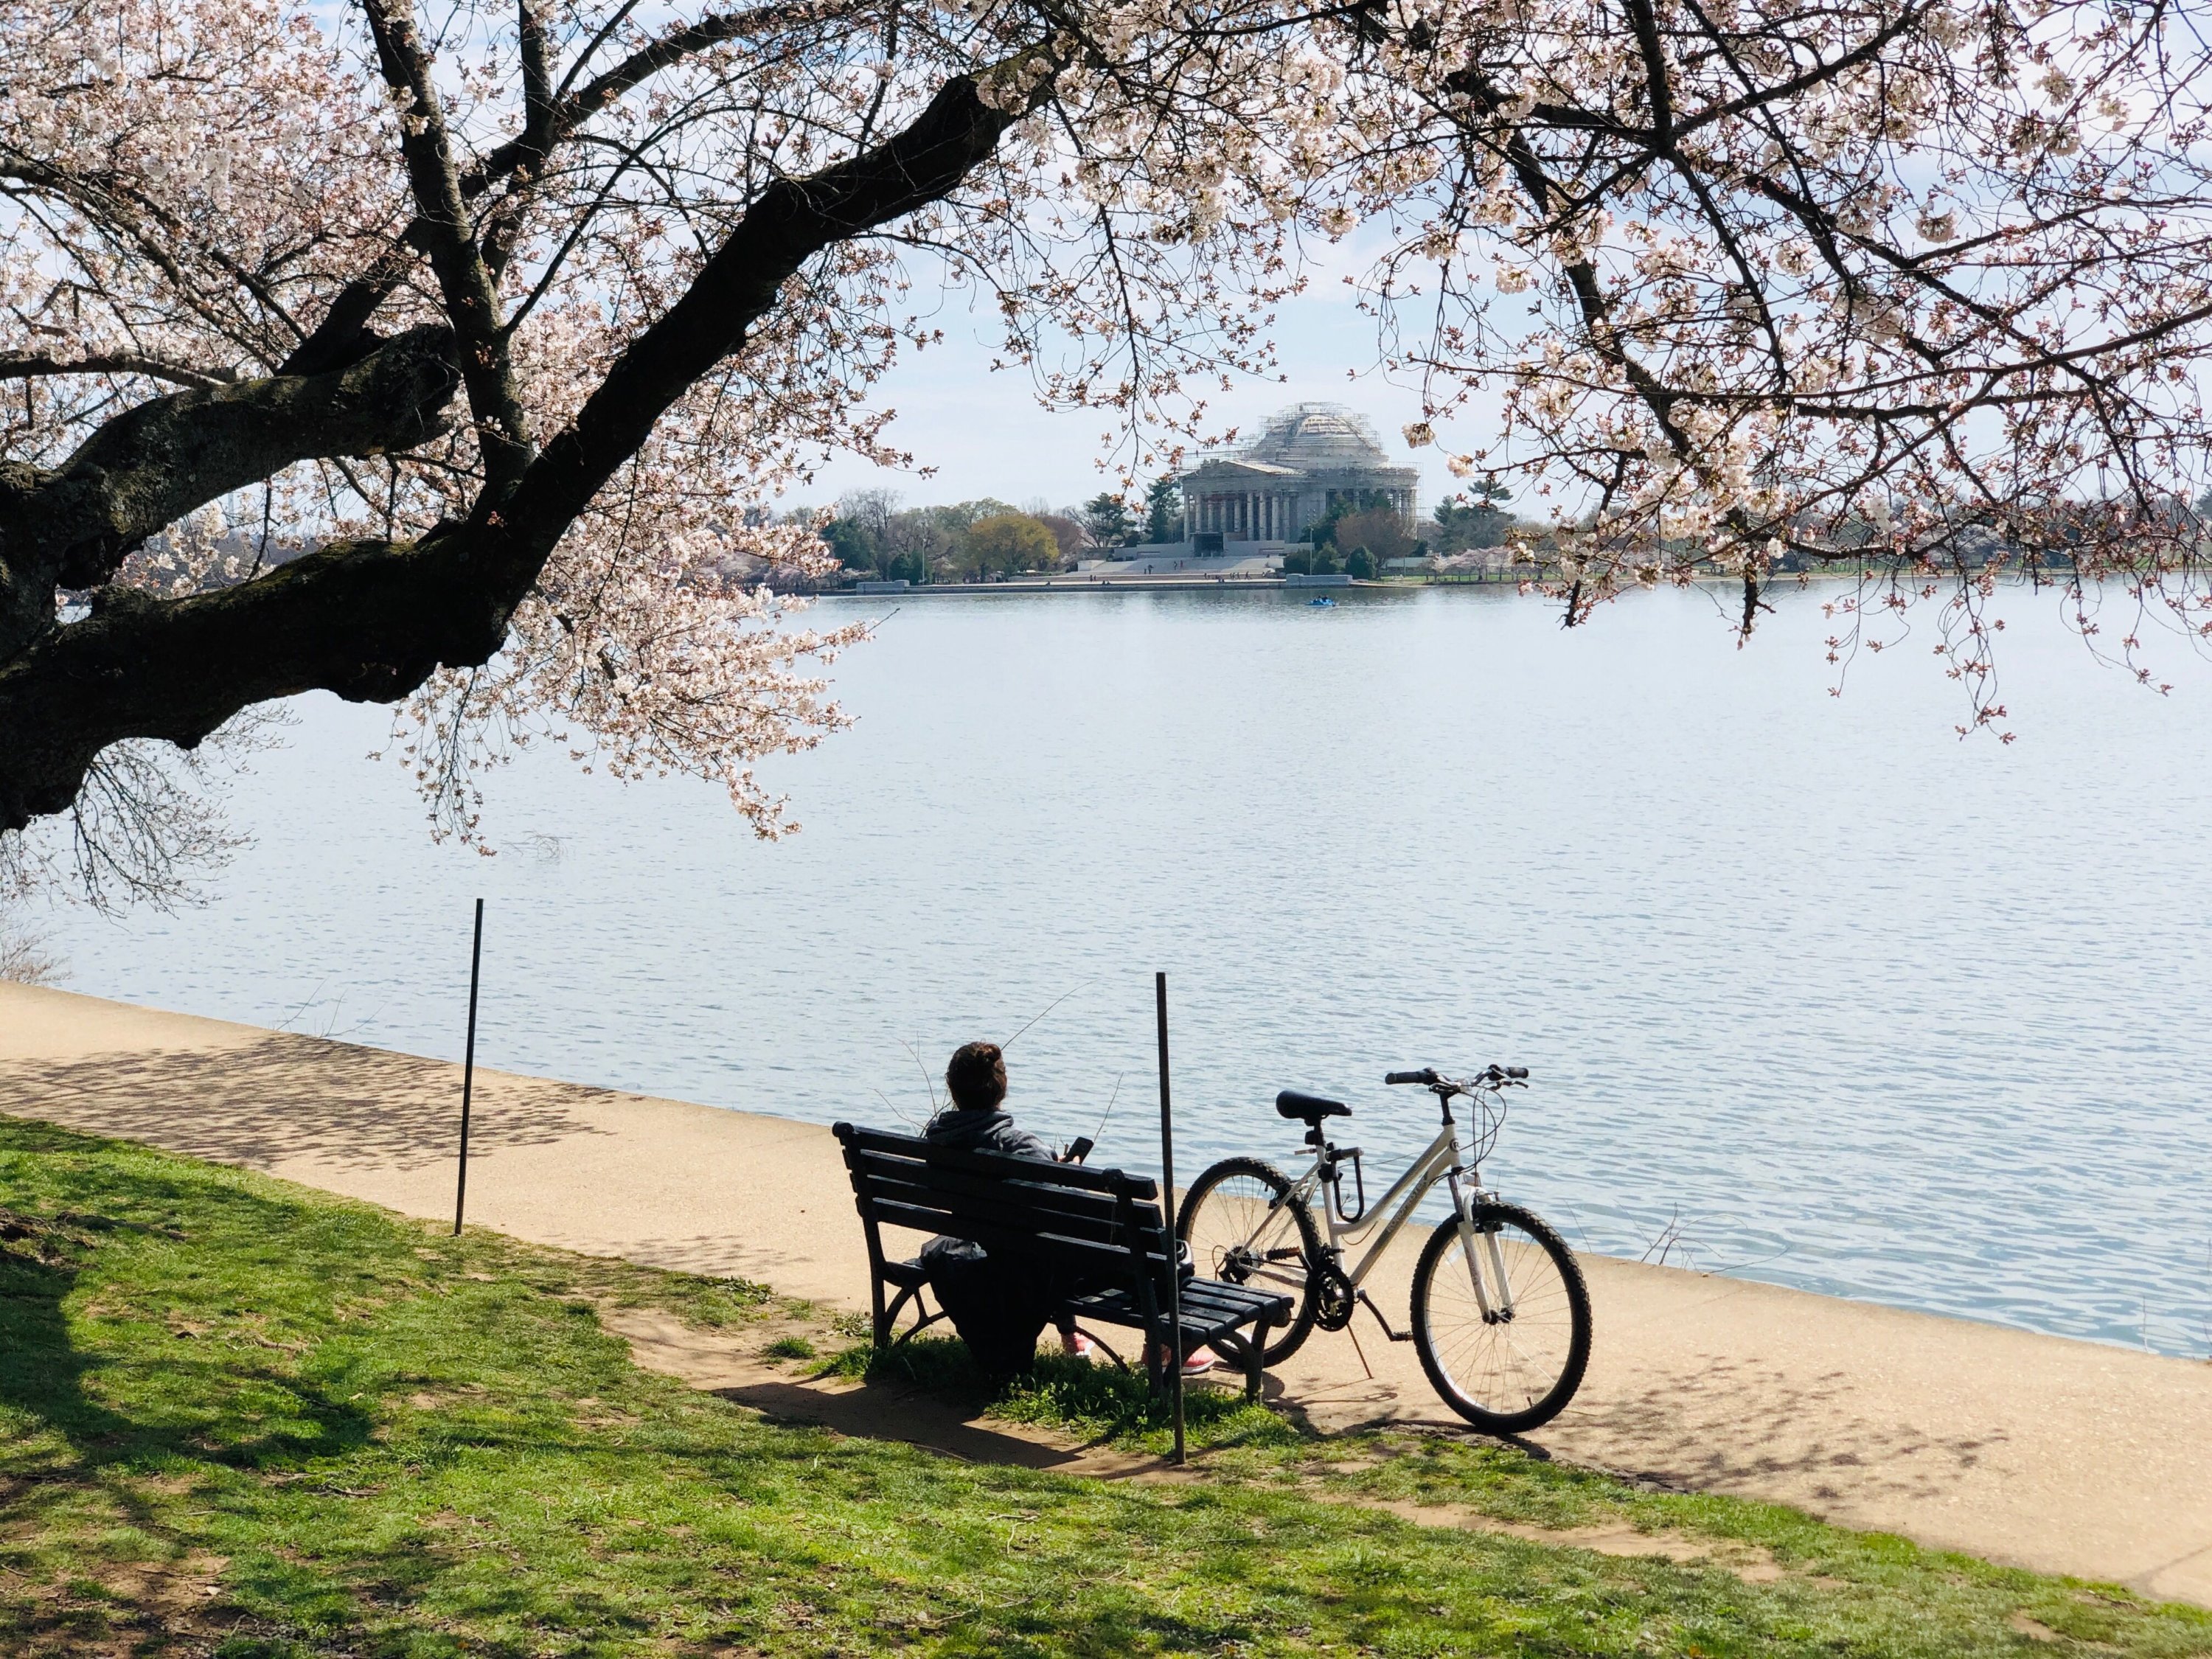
(1428, 1074)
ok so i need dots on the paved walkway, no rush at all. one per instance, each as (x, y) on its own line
(2064, 1456)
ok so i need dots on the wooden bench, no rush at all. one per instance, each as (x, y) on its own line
(1099, 1226)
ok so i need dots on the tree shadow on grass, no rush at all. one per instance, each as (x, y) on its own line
(43, 1373)
(73, 1426)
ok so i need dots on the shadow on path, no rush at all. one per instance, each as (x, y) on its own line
(285, 1097)
(1735, 1424)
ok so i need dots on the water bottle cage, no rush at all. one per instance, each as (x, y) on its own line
(1333, 1175)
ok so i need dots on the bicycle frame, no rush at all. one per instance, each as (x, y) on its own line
(1440, 1161)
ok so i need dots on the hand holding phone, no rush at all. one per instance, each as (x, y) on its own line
(1078, 1150)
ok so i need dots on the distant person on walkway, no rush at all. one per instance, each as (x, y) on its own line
(977, 1121)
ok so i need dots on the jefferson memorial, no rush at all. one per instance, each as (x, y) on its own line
(1309, 456)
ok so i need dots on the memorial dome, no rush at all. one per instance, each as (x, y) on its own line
(1318, 437)
(1310, 461)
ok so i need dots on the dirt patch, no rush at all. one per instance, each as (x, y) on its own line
(115, 1609)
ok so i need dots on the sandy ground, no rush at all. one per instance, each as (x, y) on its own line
(2065, 1456)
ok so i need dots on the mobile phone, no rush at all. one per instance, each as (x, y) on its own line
(1078, 1150)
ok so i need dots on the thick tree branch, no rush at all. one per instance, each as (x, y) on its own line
(71, 527)
(369, 620)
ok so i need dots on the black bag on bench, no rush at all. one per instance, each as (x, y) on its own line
(1000, 1308)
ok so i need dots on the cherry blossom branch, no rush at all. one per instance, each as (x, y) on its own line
(466, 284)
(32, 365)
(790, 222)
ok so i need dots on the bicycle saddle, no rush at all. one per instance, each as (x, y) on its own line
(1308, 1109)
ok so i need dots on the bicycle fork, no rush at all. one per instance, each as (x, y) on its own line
(1495, 1298)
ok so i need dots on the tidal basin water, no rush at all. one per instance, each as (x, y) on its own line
(1811, 991)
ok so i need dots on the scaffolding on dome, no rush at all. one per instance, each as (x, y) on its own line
(1315, 437)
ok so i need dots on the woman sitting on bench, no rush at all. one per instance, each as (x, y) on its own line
(976, 1079)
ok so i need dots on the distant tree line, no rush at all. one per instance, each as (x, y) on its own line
(872, 536)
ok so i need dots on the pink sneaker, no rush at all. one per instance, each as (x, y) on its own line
(1076, 1346)
(1196, 1362)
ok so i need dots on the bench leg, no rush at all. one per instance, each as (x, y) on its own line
(1106, 1348)
(887, 1322)
(881, 1321)
(1254, 1347)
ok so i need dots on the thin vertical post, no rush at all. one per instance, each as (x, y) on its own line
(468, 1072)
(1168, 1212)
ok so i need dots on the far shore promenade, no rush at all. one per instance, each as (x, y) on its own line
(2059, 1455)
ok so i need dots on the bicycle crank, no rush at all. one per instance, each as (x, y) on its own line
(1335, 1298)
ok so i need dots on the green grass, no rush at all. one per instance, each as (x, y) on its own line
(243, 1419)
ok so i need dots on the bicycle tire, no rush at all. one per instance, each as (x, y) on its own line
(1204, 1198)
(1461, 1358)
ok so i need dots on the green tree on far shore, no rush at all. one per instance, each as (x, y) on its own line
(1007, 544)
(1475, 518)
(1347, 504)
(1164, 510)
(1107, 517)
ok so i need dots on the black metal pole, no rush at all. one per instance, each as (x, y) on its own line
(1168, 1212)
(468, 1072)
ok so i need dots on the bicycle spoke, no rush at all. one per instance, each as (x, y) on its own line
(1245, 1223)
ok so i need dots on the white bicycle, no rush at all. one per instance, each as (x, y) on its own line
(1500, 1314)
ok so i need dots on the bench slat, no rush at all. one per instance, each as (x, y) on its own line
(1201, 1323)
(1005, 1165)
(1037, 1181)
(1012, 1207)
(1104, 1260)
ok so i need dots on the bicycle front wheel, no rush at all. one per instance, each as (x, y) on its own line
(1243, 1225)
(1514, 1363)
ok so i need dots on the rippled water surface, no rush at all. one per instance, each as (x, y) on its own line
(1812, 990)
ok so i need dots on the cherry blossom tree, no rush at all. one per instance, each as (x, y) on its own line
(468, 356)
(456, 362)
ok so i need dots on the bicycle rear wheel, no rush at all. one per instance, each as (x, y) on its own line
(1517, 1366)
(1243, 1225)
